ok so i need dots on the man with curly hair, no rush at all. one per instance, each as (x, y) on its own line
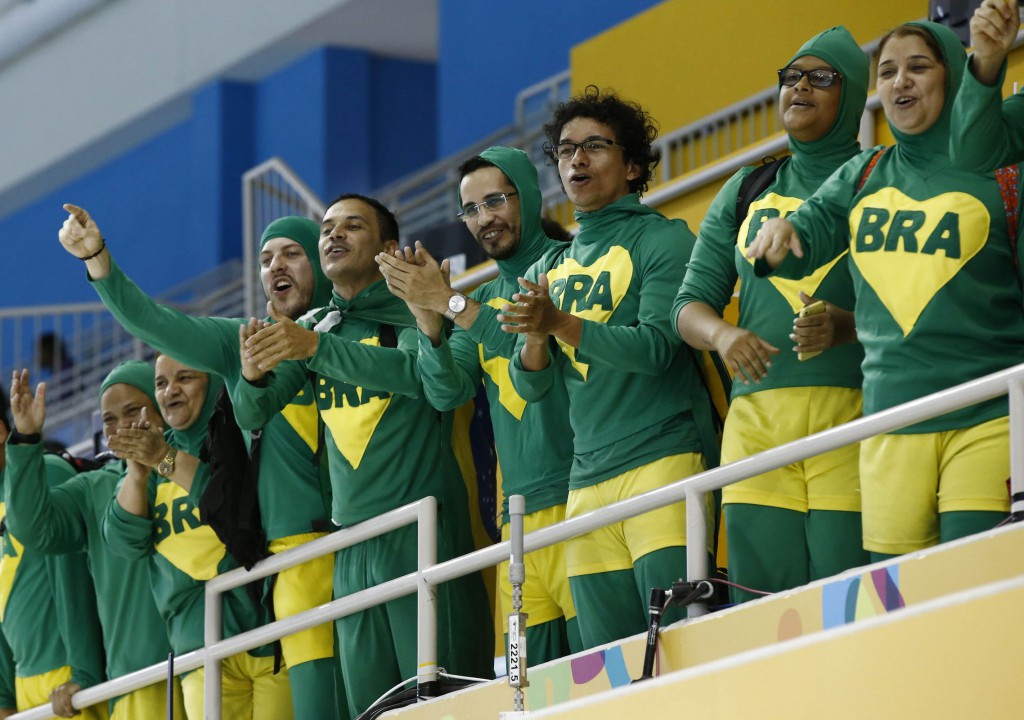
(636, 404)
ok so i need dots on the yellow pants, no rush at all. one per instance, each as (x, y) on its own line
(909, 479)
(301, 588)
(546, 594)
(149, 703)
(249, 689)
(618, 546)
(35, 690)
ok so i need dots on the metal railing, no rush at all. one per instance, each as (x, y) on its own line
(693, 490)
(74, 346)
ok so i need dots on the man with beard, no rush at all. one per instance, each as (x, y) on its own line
(501, 205)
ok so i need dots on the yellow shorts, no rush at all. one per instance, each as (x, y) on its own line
(149, 703)
(546, 595)
(619, 546)
(249, 689)
(301, 588)
(35, 690)
(909, 479)
(769, 418)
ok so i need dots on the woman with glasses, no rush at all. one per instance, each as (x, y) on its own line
(938, 299)
(802, 522)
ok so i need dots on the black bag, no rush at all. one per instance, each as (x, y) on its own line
(230, 503)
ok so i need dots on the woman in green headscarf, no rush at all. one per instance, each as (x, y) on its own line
(938, 299)
(155, 514)
(793, 525)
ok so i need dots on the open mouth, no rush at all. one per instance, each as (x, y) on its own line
(491, 234)
(335, 251)
(579, 179)
(282, 285)
(905, 101)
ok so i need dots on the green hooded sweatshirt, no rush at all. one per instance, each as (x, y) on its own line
(68, 518)
(43, 633)
(938, 300)
(183, 552)
(371, 401)
(533, 440)
(292, 494)
(634, 395)
(987, 132)
(767, 306)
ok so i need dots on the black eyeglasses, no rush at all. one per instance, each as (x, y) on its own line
(820, 78)
(492, 203)
(591, 146)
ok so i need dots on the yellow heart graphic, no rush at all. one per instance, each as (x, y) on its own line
(763, 210)
(352, 426)
(908, 250)
(590, 292)
(497, 368)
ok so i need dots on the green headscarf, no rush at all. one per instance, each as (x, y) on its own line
(307, 234)
(533, 243)
(191, 438)
(933, 143)
(836, 47)
(136, 373)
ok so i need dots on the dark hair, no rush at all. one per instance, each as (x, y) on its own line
(473, 164)
(385, 218)
(908, 30)
(554, 229)
(634, 128)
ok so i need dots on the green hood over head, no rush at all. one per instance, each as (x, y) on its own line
(836, 47)
(191, 438)
(935, 140)
(136, 373)
(533, 243)
(307, 234)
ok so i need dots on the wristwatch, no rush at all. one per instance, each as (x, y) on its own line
(165, 468)
(456, 304)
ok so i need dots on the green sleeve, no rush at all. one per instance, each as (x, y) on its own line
(823, 221)
(257, 403)
(127, 535)
(212, 343)
(648, 346)
(77, 618)
(987, 132)
(531, 385)
(371, 367)
(451, 371)
(711, 273)
(43, 518)
(8, 696)
(486, 330)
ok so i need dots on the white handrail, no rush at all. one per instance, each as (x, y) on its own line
(1009, 381)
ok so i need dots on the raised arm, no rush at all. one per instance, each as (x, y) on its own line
(988, 132)
(211, 342)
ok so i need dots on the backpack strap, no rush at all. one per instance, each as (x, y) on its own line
(756, 183)
(1009, 187)
(869, 167)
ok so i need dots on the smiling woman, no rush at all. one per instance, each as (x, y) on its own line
(938, 298)
(783, 529)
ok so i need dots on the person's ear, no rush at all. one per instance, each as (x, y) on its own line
(390, 246)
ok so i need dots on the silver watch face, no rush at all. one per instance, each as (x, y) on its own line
(456, 303)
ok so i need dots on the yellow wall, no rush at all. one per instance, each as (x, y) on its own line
(685, 59)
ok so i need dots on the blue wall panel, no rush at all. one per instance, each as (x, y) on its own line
(489, 52)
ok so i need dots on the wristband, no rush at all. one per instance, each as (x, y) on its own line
(103, 246)
(18, 438)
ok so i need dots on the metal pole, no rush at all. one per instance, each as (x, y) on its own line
(1016, 392)
(517, 618)
(426, 601)
(211, 664)
(696, 546)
